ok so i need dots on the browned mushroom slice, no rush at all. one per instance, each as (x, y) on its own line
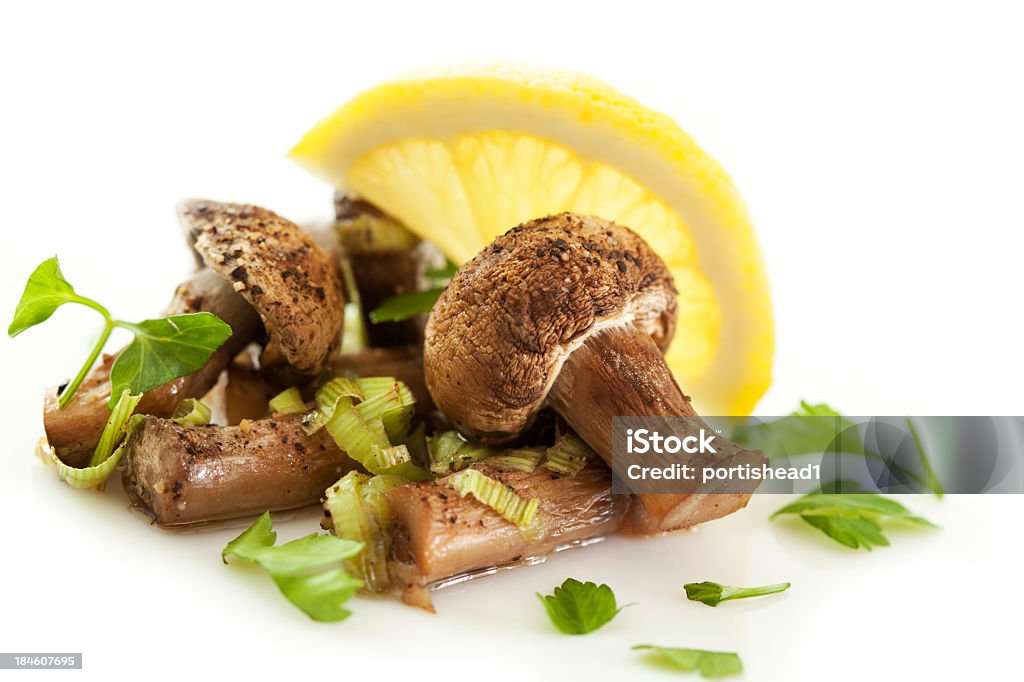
(74, 430)
(572, 311)
(182, 474)
(279, 269)
(440, 534)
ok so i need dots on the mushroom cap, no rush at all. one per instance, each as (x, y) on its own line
(498, 335)
(290, 281)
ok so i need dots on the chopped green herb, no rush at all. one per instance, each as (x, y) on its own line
(403, 306)
(853, 520)
(714, 594)
(302, 568)
(709, 664)
(163, 349)
(577, 608)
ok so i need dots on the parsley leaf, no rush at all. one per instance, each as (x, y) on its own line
(172, 347)
(447, 272)
(293, 566)
(163, 350)
(708, 663)
(853, 520)
(45, 291)
(578, 608)
(404, 306)
(714, 594)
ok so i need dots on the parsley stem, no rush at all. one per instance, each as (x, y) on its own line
(744, 592)
(108, 327)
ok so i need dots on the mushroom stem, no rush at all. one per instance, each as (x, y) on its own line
(620, 371)
(183, 474)
(440, 535)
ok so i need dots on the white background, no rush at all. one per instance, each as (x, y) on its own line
(879, 147)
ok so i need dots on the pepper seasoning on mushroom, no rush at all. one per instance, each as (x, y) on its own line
(279, 269)
(573, 312)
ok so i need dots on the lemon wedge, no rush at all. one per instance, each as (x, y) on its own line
(461, 155)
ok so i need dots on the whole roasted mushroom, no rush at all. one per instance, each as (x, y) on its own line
(279, 269)
(573, 312)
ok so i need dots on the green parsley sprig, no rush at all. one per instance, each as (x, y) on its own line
(163, 349)
(714, 594)
(577, 608)
(709, 664)
(403, 306)
(853, 520)
(307, 571)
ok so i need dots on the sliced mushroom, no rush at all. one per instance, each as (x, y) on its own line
(74, 430)
(281, 271)
(182, 474)
(440, 535)
(571, 311)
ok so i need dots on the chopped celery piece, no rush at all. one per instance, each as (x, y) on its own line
(314, 420)
(327, 398)
(288, 401)
(114, 430)
(358, 510)
(364, 439)
(328, 395)
(108, 451)
(389, 391)
(354, 336)
(368, 419)
(449, 452)
(89, 477)
(568, 455)
(517, 459)
(518, 510)
(408, 470)
(371, 386)
(191, 411)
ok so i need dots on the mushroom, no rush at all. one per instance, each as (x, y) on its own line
(572, 312)
(441, 536)
(74, 430)
(279, 269)
(184, 474)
